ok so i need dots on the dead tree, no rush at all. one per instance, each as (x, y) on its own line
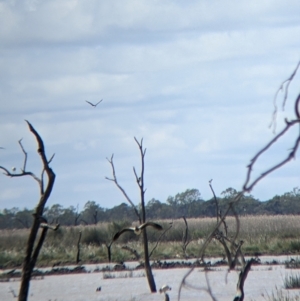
(76, 216)
(185, 240)
(108, 247)
(34, 243)
(141, 216)
(248, 185)
(78, 248)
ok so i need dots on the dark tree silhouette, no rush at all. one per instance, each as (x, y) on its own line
(235, 198)
(141, 217)
(34, 243)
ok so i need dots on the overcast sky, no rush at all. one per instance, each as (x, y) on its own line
(195, 79)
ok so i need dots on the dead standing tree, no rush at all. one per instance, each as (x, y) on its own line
(248, 185)
(185, 238)
(141, 217)
(34, 244)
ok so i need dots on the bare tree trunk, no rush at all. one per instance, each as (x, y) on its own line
(31, 256)
(32, 251)
(78, 248)
(108, 247)
(140, 182)
(148, 269)
(142, 216)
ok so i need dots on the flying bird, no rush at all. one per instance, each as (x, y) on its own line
(138, 229)
(52, 227)
(94, 105)
(2, 147)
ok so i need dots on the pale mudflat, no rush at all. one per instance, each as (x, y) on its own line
(262, 280)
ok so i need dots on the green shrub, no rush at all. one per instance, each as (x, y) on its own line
(294, 246)
(93, 236)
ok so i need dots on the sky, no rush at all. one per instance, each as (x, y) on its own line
(194, 79)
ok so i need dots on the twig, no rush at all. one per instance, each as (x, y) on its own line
(215, 198)
(284, 86)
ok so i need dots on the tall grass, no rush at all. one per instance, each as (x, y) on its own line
(280, 295)
(292, 281)
(273, 235)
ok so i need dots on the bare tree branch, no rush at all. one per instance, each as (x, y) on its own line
(114, 179)
(23, 170)
(142, 217)
(32, 250)
(216, 200)
(248, 187)
(185, 241)
(242, 277)
(78, 248)
(285, 88)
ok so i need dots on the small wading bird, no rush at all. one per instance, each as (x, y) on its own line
(165, 288)
(94, 105)
(138, 229)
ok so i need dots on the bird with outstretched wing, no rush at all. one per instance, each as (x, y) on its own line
(138, 229)
(92, 104)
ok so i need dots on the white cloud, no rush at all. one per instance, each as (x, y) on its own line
(196, 80)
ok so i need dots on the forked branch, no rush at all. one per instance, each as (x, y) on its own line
(114, 179)
(247, 187)
(285, 88)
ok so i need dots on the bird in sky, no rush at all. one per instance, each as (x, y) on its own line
(92, 104)
(138, 229)
(2, 147)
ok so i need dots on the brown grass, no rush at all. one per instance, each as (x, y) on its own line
(261, 234)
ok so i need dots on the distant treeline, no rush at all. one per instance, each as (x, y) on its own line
(188, 204)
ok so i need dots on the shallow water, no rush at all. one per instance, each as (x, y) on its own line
(261, 279)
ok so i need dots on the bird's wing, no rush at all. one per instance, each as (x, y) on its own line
(98, 102)
(90, 103)
(117, 235)
(154, 225)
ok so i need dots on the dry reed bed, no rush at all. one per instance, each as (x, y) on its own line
(262, 234)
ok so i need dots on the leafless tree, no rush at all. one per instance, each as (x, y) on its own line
(78, 248)
(141, 217)
(185, 238)
(231, 246)
(34, 243)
